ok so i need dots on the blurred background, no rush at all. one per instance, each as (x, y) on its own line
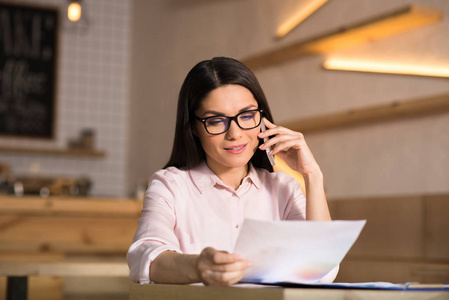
(117, 72)
(120, 71)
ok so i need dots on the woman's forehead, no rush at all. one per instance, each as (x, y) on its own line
(228, 99)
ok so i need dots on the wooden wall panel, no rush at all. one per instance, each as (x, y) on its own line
(367, 271)
(393, 227)
(437, 228)
(392, 271)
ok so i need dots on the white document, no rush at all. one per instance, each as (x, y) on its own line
(294, 251)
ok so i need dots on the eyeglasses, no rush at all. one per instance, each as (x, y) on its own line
(247, 119)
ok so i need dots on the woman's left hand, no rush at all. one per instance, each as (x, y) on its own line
(291, 147)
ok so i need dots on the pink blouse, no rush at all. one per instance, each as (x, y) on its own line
(186, 211)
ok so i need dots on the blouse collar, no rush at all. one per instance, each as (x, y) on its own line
(205, 179)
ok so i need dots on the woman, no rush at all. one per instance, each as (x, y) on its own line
(218, 175)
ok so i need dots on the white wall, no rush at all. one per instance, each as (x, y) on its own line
(91, 93)
(400, 157)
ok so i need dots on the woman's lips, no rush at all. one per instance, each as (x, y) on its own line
(236, 149)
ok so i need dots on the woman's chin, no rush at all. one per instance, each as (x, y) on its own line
(238, 163)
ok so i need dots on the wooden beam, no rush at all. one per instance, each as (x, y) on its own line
(399, 21)
(383, 112)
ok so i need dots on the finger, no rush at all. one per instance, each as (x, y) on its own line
(268, 123)
(277, 130)
(236, 266)
(230, 277)
(221, 257)
(223, 274)
(278, 139)
(222, 278)
(285, 145)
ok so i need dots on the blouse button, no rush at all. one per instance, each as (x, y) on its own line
(237, 226)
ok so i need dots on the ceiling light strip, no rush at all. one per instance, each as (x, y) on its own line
(299, 17)
(385, 67)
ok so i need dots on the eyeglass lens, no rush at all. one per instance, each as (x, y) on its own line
(245, 120)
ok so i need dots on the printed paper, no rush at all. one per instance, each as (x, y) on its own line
(294, 251)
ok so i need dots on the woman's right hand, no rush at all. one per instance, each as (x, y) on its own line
(220, 268)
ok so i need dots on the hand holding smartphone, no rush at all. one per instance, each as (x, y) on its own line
(270, 157)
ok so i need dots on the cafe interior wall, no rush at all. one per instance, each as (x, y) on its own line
(404, 157)
(133, 113)
(91, 93)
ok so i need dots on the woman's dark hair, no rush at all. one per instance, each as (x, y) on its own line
(205, 77)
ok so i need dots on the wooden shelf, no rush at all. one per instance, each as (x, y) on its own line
(384, 112)
(70, 206)
(405, 19)
(54, 152)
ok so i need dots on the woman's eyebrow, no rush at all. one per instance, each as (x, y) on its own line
(251, 106)
(217, 113)
(213, 112)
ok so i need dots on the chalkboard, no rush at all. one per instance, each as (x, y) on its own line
(27, 70)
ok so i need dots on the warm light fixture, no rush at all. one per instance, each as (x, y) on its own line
(74, 11)
(343, 64)
(300, 16)
(386, 25)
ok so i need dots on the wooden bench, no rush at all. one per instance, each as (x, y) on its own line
(53, 238)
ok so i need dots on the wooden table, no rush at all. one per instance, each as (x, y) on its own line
(251, 292)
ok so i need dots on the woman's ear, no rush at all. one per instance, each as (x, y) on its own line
(194, 130)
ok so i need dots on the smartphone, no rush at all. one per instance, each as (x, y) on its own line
(270, 157)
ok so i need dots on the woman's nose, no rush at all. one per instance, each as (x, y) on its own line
(234, 131)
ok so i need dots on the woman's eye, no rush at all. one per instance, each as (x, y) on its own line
(215, 122)
(247, 116)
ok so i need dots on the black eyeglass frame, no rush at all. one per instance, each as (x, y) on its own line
(234, 118)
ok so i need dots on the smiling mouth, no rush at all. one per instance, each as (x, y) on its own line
(236, 148)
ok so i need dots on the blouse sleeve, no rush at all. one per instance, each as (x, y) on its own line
(155, 230)
(290, 191)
